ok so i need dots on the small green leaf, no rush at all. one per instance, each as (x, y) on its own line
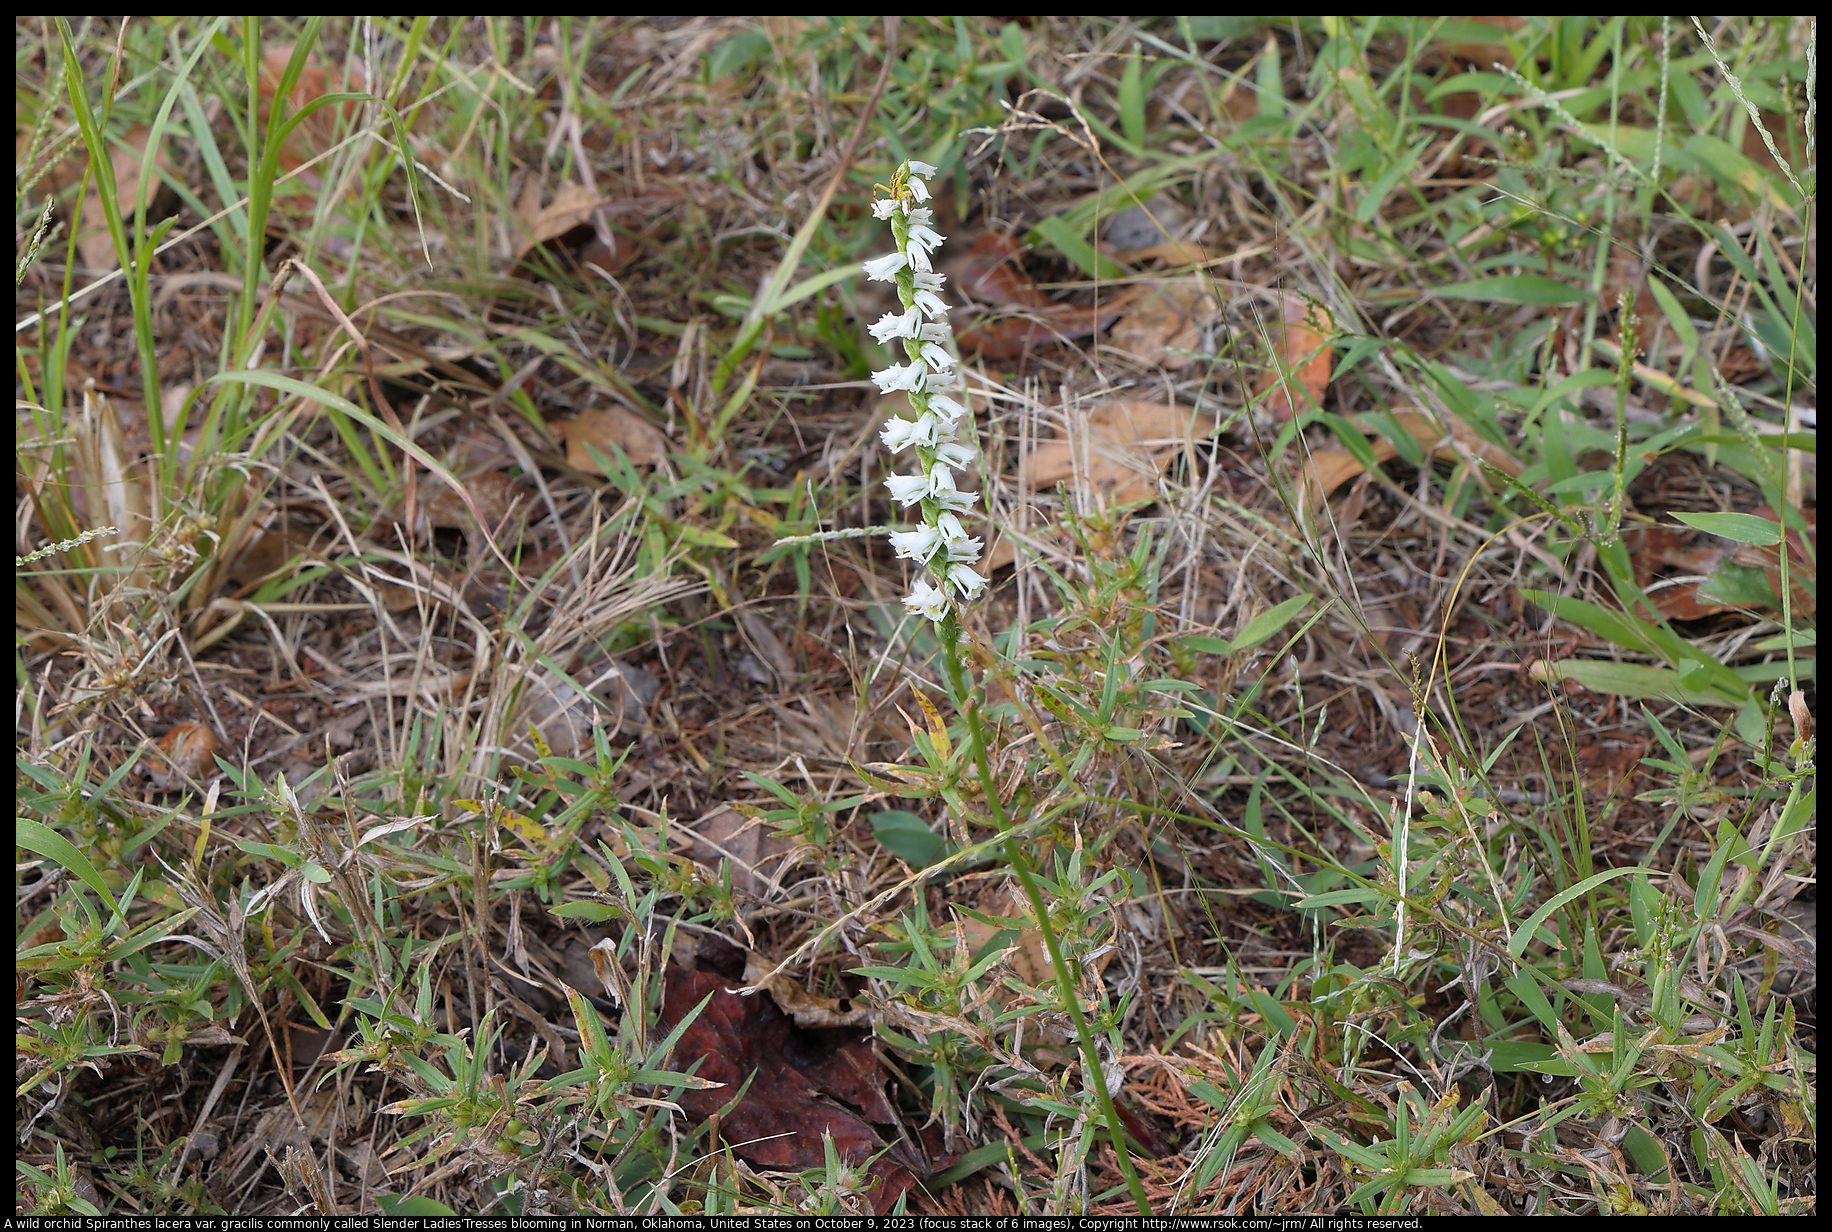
(38, 837)
(908, 837)
(597, 913)
(1132, 101)
(736, 53)
(1267, 623)
(1515, 289)
(1739, 527)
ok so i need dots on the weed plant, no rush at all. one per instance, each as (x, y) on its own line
(1394, 795)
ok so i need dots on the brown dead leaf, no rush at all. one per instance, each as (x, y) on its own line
(601, 427)
(1023, 318)
(798, 1003)
(127, 158)
(1328, 469)
(1165, 324)
(750, 847)
(191, 749)
(1028, 957)
(566, 718)
(1301, 351)
(1661, 552)
(1127, 447)
(804, 1084)
(577, 222)
(316, 133)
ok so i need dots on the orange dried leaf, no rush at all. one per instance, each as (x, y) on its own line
(1301, 351)
(1124, 452)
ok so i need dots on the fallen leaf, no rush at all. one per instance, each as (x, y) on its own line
(601, 427)
(1165, 324)
(804, 1084)
(1328, 469)
(798, 1003)
(127, 158)
(1301, 351)
(1124, 450)
(566, 718)
(1710, 568)
(314, 134)
(1022, 317)
(750, 847)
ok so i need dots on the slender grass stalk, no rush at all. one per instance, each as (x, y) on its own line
(1066, 984)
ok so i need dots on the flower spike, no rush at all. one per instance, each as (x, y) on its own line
(941, 432)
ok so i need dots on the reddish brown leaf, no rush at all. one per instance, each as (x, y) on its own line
(1301, 347)
(1023, 317)
(803, 1083)
(1691, 557)
(991, 273)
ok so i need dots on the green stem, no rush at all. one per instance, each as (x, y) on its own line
(1069, 989)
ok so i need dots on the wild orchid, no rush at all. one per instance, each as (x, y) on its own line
(940, 543)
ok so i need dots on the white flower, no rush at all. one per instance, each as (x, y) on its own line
(941, 489)
(925, 238)
(908, 489)
(961, 502)
(965, 580)
(884, 268)
(900, 434)
(900, 376)
(927, 296)
(925, 600)
(954, 537)
(953, 453)
(939, 543)
(898, 325)
(919, 544)
(946, 409)
(936, 358)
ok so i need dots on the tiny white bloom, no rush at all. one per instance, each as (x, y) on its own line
(884, 268)
(900, 376)
(936, 358)
(900, 434)
(961, 549)
(950, 499)
(919, 260)
(928, 298)
(917, 545)
(920, 168)
(946, 409)
(965, 580)
(933, 332)
(920, 217)
(925, 238)
(882, 210)
(954, 454)
(897, 325)
(925, 600)
(908, 489)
